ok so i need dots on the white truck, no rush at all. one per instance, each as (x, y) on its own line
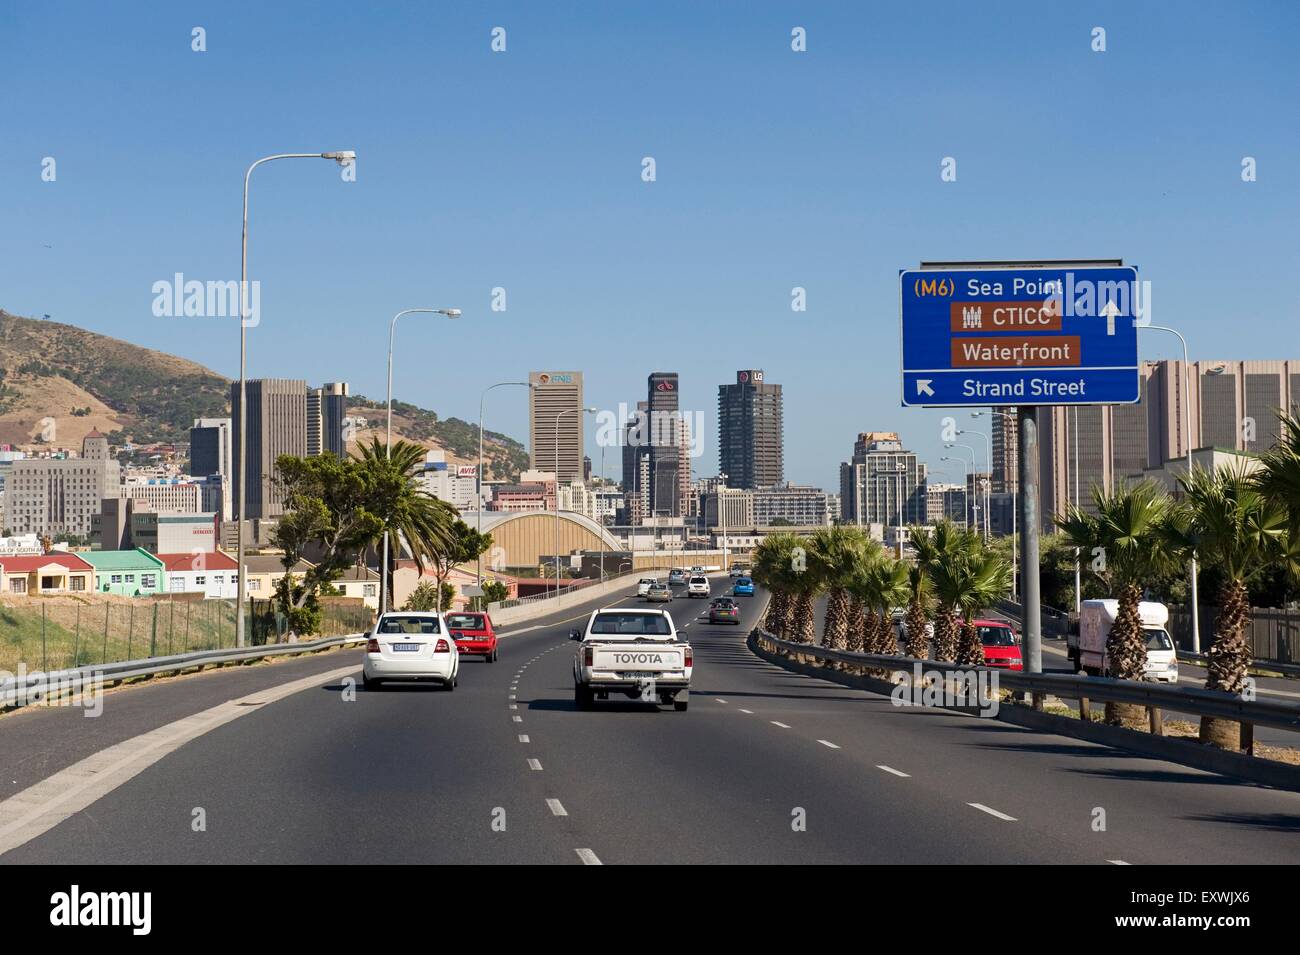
(1096, 617)
(634, 653)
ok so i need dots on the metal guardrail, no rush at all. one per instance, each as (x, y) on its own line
(551, 594)
(1200, 702)
(33, 687)
(1286, 669)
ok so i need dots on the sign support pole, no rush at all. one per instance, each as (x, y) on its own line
(1031, 615)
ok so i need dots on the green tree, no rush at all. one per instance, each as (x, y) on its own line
(883, 585)
(1126, 545)
(1236, 527)
(328, 510)
(986, 579)
(423, 598)
(944, 556)
(410, 515)
(834, 555)
(773, 560)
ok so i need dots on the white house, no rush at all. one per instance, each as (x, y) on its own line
(211, 573)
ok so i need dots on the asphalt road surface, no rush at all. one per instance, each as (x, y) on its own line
(766, 766)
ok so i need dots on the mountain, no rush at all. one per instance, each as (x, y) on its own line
(58, 382)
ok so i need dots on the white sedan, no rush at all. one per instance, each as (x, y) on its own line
(410, 645)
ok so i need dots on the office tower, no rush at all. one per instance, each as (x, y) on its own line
(277, 424)
(750, 437)
(555, 401)
(326, 410)
(60, 496)
(635, 462)
(664, 437)
(1005, 442)
(883, 483)
(210, 447)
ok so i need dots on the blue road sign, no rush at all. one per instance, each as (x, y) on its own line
(1058, 335)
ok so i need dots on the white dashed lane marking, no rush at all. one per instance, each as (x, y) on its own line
(718, 699)
(891, 769)
(523, 737)
(535, 765)
(992, 812)
(557, 809)
(588, 857)
(750, 712)
(826, 742)
(784, 726)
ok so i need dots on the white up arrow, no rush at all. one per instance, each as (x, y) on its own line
(1110, 310)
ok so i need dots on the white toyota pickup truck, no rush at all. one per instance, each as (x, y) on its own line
(632, 652)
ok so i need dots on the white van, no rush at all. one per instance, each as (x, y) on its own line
(1095, 620)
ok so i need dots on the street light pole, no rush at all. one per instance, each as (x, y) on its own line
(965, 483)
(974, 465)
(1015, 542)
(558, 416)
(478, 484)
(1187, 448)
(988, 460)
(388, 433)
(343, 158)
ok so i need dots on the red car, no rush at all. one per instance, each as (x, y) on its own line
(473, 634)
(1001, 645)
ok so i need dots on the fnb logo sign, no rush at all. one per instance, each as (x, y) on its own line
(924, 288)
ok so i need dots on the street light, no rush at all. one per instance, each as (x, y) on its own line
(343, 158)
(388, 438)
(965, 483)
(1187, 449)
(1015, 543)
(478, 485)
(974, 466)
(558, 416)
(988, 459)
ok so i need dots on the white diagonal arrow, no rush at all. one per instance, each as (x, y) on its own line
(923, 386)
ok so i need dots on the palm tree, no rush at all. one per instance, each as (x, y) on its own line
(806, 581)
(834, 555)
(772, 569)
(986, 580)
(860, 628)
(1130, 549)
(947, 570)
(885, 587)
(1237, 527)
(405, 510)
(1279, 474)
(928, 546)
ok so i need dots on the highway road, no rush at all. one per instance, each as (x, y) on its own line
(766, 767)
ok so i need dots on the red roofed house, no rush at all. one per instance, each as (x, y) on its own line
(52, 573)
(210, 573)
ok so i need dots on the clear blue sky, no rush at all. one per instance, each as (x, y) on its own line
(522, 169)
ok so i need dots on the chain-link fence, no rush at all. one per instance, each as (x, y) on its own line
(54, 634)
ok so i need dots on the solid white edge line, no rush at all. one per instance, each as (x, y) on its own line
(992, 812)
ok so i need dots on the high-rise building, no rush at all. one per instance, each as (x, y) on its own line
(636, 467)
(210, 447)
(883, 483)
(798, 504)
(664, 445)
(326, 411)
(277, 424)
(555, 425)
(945, 501)
(750, 435)
(60, 496)
(1005, 441)
(1234, 406)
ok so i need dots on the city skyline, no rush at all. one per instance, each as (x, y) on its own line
(801, 211)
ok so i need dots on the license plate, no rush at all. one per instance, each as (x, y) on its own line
(641, 675)
(406, 647)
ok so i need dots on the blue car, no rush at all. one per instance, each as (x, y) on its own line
(743, 587)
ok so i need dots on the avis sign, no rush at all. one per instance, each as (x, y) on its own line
(1062, 335)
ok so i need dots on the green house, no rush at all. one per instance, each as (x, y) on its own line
(127, 573)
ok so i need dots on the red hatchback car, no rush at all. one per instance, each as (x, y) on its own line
(1001, 646)
(473, 634)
